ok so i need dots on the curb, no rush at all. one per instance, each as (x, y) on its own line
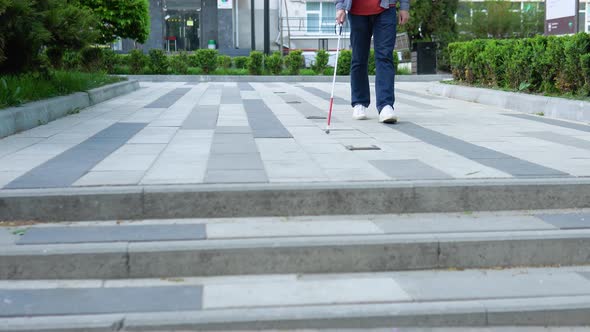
(549, 311)
(213, 201)
(34, 114)
(330, 254)
(284, 79)
(573, 110)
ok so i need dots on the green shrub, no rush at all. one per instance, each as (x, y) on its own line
(110, 60)
(585, 65)
(206, 59)
(137, 62)
(344, 61)
(329, 71)
(307, 72)
(92, 59)
(255, 63)
(158, 62)
(179, 63)
(274, 63)
(321, 61)
(55, 56)
(294, 61)
(71, 60)
(240, 62)
(224, 61)
(539, 64)
(371, 63)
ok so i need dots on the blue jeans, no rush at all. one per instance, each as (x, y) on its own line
(383, 28)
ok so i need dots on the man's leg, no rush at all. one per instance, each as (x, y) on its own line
(385, 30)
(360, 39)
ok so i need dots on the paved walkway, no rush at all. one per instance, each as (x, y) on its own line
(192, 133)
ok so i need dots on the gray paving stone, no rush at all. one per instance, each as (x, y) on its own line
(478, 285)
(585, 275)
(520, 168)
(325, 95)
(567, 220)
(409, 169)
(560, 139)
(51, 302)
(8, 236)
(68, 167)
(416, 104)
(233, 130)
(263, 122)
(235, 162)
(220, 138)
(231, 95)
(202, 117)
(554, 122)
(243, 86)
(192, 83)
(236, 176)
(419, 95)
(233, 148)
(482, 155)
(168, 99)
(85, 234)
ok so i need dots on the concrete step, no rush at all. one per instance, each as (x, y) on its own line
(470, 298)
(248, 200)
(328, 244)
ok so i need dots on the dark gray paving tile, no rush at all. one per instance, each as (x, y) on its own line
(419, 95)
(233, 148)
(416, 104)
(243, 86)
(520, 168)
(325, 95)
(192, 83)
(233, 138)
(235, 161)
(81, 301)
(140, 233)
(567, 220)
(168, 99)
(553, 122)
(411, 169)
(236, 176)
(560, 139)
(230, 95)
(263, 122)
(491, 158)
(202, 117)
(66, 168)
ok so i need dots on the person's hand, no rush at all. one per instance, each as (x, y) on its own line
(340, 16)
(403, 17)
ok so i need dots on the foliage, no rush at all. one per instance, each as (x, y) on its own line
(206, 59)
(28, 26)
(92, 59)
(224, 61)
(255, 63)
(121, 18)
(137, 61)
(274, 63)
(321, 61)
(344, 61)
(179, 63)
(158, 62)
(241, 62)
(18, 89)
(294, 61)
(539, 64)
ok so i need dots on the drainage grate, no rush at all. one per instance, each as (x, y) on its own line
(293, 102)
(279, 92)
(316, 117)
(362, 148)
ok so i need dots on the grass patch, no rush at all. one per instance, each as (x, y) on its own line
(24, 88)
(403, 71)
(569, 96)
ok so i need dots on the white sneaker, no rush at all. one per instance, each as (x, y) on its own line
(387, 115)
(359, 112)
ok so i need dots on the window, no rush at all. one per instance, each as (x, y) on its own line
(581, 21)
(320, 17)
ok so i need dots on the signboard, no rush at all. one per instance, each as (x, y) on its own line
(224, 4)
(561, 17)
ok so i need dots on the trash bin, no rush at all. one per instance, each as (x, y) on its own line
(426, 52)
(211, 45)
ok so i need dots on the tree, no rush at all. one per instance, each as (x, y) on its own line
(121, 19)
(432, 18)
(28, 26)
(3, 6)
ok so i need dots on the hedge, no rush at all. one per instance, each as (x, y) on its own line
(543, 64)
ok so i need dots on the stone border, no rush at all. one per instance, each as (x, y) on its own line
(31, 115)
(285, 79)
(554, 107)
(211, 201)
